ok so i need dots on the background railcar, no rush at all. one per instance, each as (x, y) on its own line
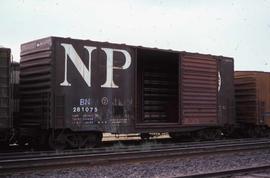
(72, 91)
(5, 95)
(253, 101)
(15, 92)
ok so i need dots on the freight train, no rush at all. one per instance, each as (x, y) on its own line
(72, 91)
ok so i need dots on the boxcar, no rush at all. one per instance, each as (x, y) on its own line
(72, 90)
(5, 94)
(253, 101)
(15, 99)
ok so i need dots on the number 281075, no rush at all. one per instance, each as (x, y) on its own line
(84, 109)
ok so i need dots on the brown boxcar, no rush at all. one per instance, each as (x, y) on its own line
(252, 97)
(72, 88)
(5, 94)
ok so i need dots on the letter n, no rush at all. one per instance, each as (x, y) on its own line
(71, 54)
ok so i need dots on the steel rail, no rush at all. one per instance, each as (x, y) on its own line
(228, 173)
(115, 148)
(100, 157)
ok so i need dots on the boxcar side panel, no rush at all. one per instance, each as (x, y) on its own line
(5, 119)
(226, 102)
(263, 88)
(36, 84)
(15, 99)
(246, 97)
(94, 86)
(85, 85)
(199, 90)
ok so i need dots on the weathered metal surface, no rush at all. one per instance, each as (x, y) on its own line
(36, 82)
(86, 85)
(207, 90)
(252, 97)
(5, 117)
(95, 85)
(77, 84)
(226, 100)
(15, 99)
(199, 89)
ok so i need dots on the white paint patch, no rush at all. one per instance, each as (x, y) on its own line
(219, 81)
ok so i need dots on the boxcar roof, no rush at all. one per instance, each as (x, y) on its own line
(133, 46)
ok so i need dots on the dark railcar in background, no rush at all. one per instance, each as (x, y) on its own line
(5, 95)
(74, 90)
(15, 99)
(253, 101)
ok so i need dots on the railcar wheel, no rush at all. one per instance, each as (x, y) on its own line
(93, 140)
(197, 136)
(84, 140)
(75, 140)
(57, 143)
(209, 134)
(212, 134)
(257, 132)
(22, 141)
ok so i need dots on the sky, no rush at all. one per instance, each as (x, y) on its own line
(233, 28)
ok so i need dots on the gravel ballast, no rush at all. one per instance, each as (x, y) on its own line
(158, 168)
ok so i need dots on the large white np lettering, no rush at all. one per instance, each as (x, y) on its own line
(86, 73)
(109, 53)
(75, 58)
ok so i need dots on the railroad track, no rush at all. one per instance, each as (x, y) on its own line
(28, 161)
(230, 173)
